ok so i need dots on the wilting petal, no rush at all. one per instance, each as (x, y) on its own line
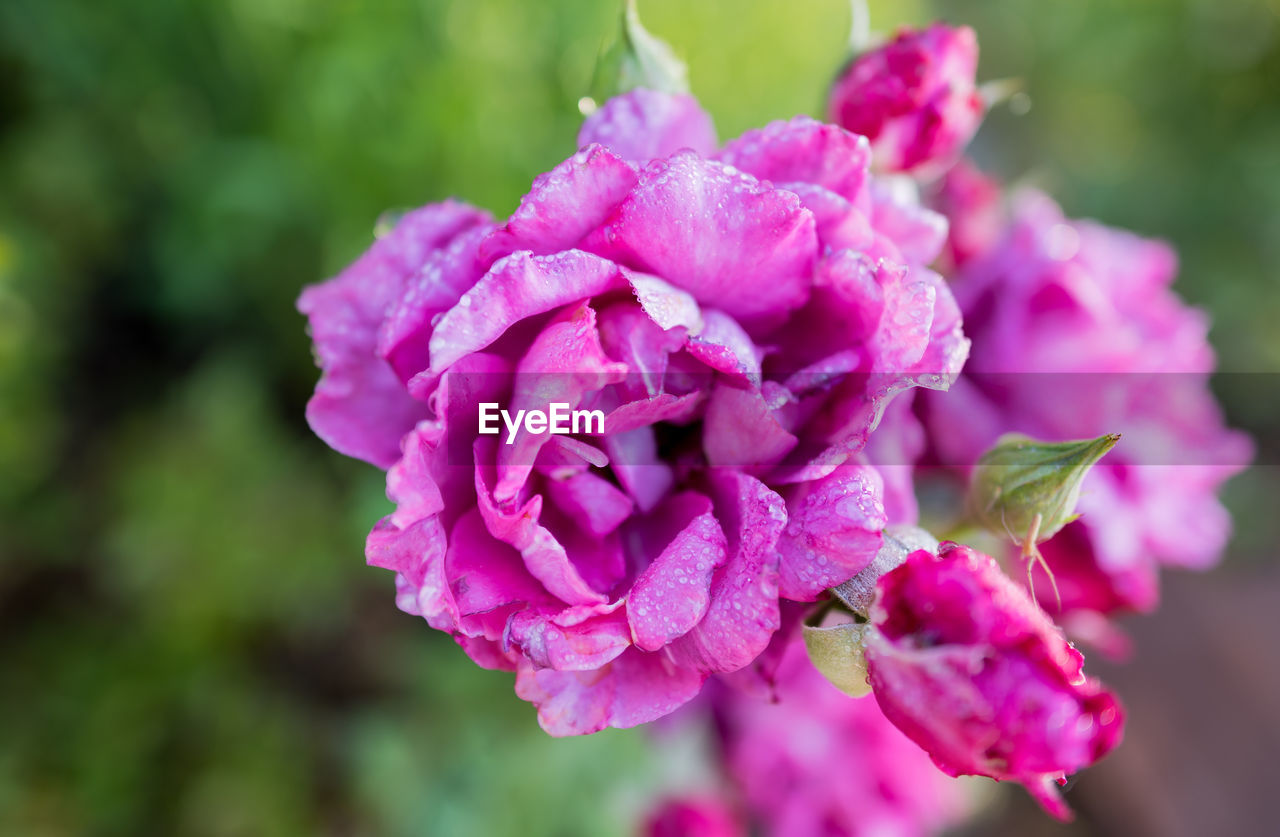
(643, 124)
(728, 239)
(833, 531)
(564, 205)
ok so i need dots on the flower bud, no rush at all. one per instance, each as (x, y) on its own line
(1028, 489)
(914, 98)
(964, 662)
(636, 59)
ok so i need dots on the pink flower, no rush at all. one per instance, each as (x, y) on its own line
(973, 205)
(972, 670)
(1077, 333)
(740, 317)
(693, 816)
(914, 98)
(814, 762)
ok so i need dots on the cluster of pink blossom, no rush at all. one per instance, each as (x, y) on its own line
(750, 322)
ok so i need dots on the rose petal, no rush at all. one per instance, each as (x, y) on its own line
(743, 612)
(564, 363)
(833, 531)
(672, 594)
(643, 124)
(564, 205)
(360, 407)
(437, 286)
(633, 689)
(740, 430)
(518, 286)
(590, 501)
(728, 239)
(577, 639)
(805, 150)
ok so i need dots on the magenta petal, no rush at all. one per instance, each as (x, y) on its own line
(671, 595)
(484, 573)
(360, 407)
(633, 689)
(576, 639)
(564, 363)
(634, 456)
(724, 236)
(519, 286)
(743, 613)
(905, 326)
(917, 232)
(417, 555)
(630, 335)
(833, 531)
(806, 151)
(674, 409)
(591, 502)
(564, 204)
(643, 124)
(666, 305)
(726, 347)
(544, 556)
(448, 273)
(740, 429)
(840, 224)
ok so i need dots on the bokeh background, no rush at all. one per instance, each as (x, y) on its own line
(190, 642)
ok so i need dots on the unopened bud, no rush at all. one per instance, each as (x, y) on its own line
(636, 59)
(1028, 489)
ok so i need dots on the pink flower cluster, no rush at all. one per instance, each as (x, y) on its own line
(1077, 333)
(749, 320)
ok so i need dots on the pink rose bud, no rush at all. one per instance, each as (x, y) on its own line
(914, 98)
(972, 670)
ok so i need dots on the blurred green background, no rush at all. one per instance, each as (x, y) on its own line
(190, 642)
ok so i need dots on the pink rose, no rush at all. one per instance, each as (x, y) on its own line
(1077, 333)
(914, 98)
(740, 318)
(972, 670)
(814, 762)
